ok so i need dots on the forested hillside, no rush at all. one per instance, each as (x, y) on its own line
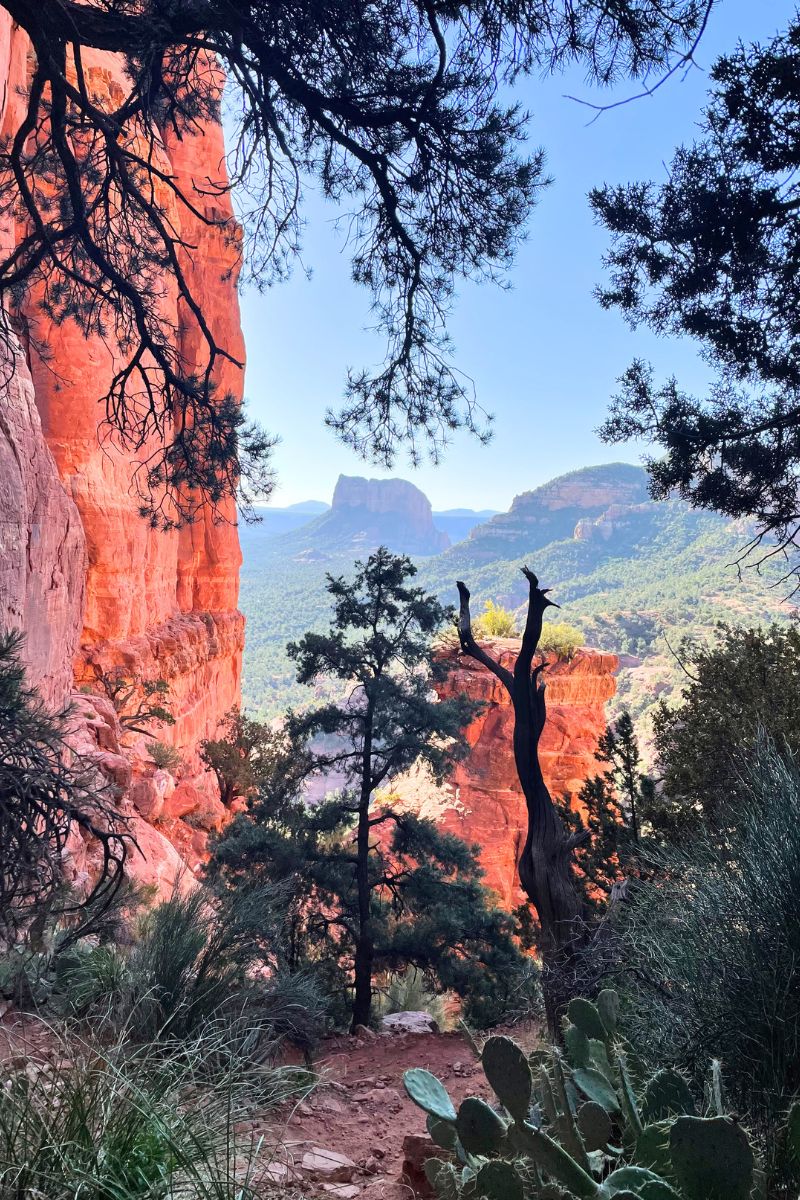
(634, 575)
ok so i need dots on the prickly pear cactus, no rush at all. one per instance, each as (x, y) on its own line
(581, 1125)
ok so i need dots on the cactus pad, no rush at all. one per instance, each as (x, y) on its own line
(630, 1179)
(711, 1158)
(608, 1007)
(442, 1132)
(652, 1148)
(480, 1129)
(509, 1074)
(443, 1178)
(429, 1094)
(499, 1181)
(793, 1133)
(666, 1095)
(594, 1126)
(576, 1044)
(596, 1087)
(584, 1014)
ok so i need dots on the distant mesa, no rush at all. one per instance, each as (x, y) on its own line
(367, 513)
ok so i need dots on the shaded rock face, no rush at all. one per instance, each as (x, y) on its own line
(371, 512)
(483, 802)
(42, 545)
(93, 586)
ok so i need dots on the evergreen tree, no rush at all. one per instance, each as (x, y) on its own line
(371, 888)
(617, 808)
(741, 687)
(240, 756)
(711, 252)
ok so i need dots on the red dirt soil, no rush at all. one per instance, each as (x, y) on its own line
(360, 1107)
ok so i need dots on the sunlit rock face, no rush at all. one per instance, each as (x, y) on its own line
(87, 579)
(564, 508)
(483, 802)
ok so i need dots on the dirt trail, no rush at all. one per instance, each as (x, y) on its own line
(360, 1108)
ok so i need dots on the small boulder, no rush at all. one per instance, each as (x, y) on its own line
(409, 1022)
(327, 1166)
(417, 1149)
(146, 798)
(184, 800)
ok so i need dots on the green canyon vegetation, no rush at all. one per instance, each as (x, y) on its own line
(283, 843)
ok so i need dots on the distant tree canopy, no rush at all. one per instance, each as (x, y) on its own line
(743, 686)
(391, 108)
(714, 253)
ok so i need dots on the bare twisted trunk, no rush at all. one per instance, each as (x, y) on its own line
(545, 864)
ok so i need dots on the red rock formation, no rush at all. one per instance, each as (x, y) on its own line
(42, 547)
(483, 802)
(368, 512)
(80, 570)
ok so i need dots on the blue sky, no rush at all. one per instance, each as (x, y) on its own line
(544, 356)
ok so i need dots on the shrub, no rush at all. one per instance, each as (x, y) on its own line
(108, 1124)
(584, 1125)
(197, 964)
(47, 794)
(165, 757)
(495, 621)
(744, 683)
(711, 946)
(560, 639)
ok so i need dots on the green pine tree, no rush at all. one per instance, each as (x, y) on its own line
(614, 807)
(370, 888)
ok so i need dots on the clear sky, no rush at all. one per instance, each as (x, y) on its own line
(544, 356)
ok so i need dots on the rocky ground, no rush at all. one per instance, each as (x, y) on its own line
(358, 1135)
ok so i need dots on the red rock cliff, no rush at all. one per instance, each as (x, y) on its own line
(483, 802)
(82, 573)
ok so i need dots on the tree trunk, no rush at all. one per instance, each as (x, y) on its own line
(365, 950)
(545, 864)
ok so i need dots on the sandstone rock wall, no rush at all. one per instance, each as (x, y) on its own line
(93, 586)
(42, 544)
(483, 802)
(162, 600)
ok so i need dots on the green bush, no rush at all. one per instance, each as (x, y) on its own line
(560, 639)
(196, 964)
(583, 1125)
(710, 948)
(165, 757)
(109, 1124)
(495, 621)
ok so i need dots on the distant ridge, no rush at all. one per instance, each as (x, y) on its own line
(625, 569)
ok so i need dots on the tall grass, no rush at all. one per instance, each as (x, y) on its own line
(110, 1124)
(195, 967)
(711, 948)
